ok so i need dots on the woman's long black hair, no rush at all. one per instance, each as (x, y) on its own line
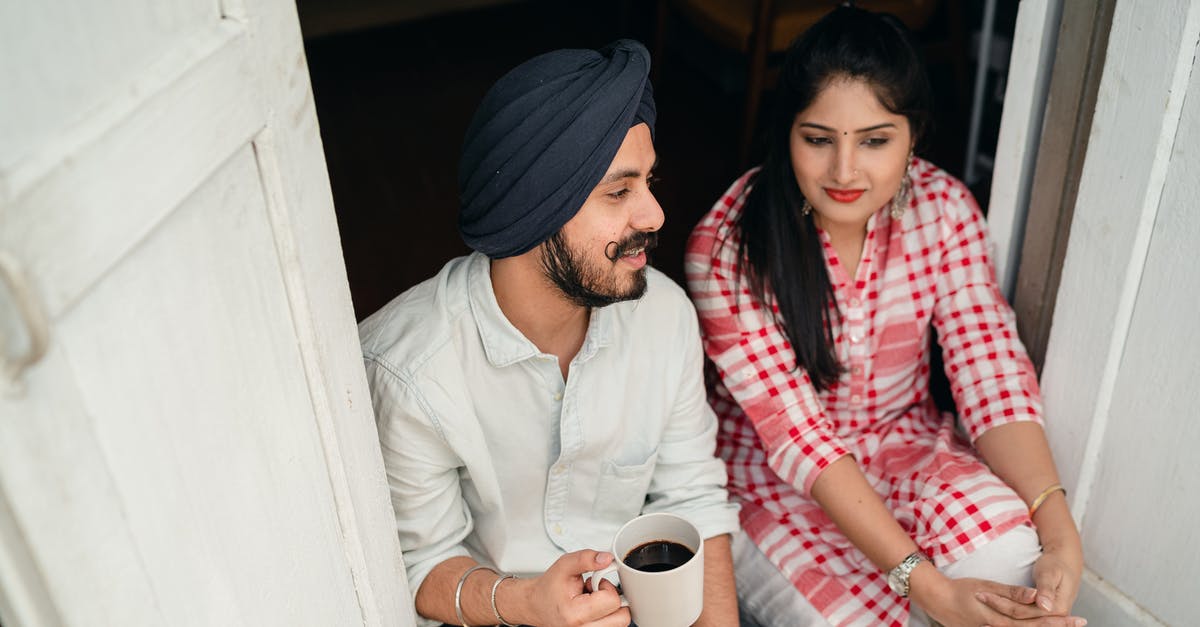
(780, 246)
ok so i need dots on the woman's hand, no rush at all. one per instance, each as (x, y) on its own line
(1056, 575)
(969, 602)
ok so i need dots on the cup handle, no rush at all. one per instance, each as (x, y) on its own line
(598, 575)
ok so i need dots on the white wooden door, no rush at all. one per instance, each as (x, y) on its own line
(1121, 370)
(186, 435)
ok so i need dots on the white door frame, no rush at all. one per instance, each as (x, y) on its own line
(1147, 72)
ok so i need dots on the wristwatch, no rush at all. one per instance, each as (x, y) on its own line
(898, 577)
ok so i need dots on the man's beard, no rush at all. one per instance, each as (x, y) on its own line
(586, 285)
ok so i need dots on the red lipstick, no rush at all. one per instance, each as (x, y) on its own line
(844, 195)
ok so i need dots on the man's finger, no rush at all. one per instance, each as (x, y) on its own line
(607, 585)
(585, 561)
(620, 618)
(597, 605)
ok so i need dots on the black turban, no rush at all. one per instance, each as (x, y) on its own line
(541, 140)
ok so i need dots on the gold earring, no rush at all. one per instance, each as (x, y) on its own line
(903, 195)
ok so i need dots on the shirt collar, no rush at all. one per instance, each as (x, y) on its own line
(503, 343)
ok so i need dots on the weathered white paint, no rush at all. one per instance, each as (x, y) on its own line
(1120, 371)
(197, 445)
(1020, 130)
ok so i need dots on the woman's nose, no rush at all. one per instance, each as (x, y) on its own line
(844, 167)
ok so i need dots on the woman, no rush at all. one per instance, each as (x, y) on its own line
(819, 280)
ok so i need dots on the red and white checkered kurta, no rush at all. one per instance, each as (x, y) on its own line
(929, 269)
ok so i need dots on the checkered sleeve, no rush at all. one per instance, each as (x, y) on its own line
(991, 377)
(751, 353)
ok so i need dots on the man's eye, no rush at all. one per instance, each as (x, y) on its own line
(652, 180)
(621, 193)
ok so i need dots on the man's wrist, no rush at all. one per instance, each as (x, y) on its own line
(512, 599)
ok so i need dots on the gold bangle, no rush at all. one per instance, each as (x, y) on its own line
(458, 593)
(496, 610)
(1041, 498)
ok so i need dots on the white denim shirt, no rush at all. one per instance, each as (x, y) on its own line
(489, 453)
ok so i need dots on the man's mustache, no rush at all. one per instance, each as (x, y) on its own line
(642, 239)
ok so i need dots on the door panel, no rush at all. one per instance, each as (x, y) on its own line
(244, 409)
(102, 69)
(196, 446)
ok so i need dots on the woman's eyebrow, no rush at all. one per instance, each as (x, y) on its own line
(861, 130)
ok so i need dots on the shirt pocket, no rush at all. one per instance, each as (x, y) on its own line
(622, 489)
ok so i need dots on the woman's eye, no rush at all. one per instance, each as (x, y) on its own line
(818, 141)
(876, 142)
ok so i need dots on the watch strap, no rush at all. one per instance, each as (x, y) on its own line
(899, 576)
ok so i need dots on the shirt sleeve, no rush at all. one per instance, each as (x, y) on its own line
(432, 519)
(753, 356)
(689, 480)
(991, 377)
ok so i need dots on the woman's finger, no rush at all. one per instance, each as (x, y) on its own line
(1049, 582)
(1008, 607)
(1014, 593)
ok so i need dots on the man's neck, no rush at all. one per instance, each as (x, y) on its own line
(541, 313)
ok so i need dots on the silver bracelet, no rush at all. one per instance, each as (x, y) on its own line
(458, 593)
(496, 610)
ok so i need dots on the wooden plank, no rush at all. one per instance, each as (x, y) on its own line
(1130, 149)
(1148, 451)
(1074, 83)
(303, 198)
(24, 591)
(58, 73)
(198, 399)
(1020, 126)
(87, 564)
(174, 131)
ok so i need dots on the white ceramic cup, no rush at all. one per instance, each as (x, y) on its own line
(669, 598)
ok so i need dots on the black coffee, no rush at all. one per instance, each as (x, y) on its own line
(658, 555)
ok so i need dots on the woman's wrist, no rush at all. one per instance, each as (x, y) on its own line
(1056, 528)
(926, 584)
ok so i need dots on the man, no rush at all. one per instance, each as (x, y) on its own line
(537, 394)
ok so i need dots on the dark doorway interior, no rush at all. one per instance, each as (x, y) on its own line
(395, 97)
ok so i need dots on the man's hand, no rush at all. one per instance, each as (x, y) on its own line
(559, 596)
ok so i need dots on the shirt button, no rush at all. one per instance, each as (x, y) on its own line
(558, 397)
(854, 302)
(856, 370)
(855, 337)
(558, 470)
(855, 399)
(557, 529)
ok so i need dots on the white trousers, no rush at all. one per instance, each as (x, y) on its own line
(767, 599)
